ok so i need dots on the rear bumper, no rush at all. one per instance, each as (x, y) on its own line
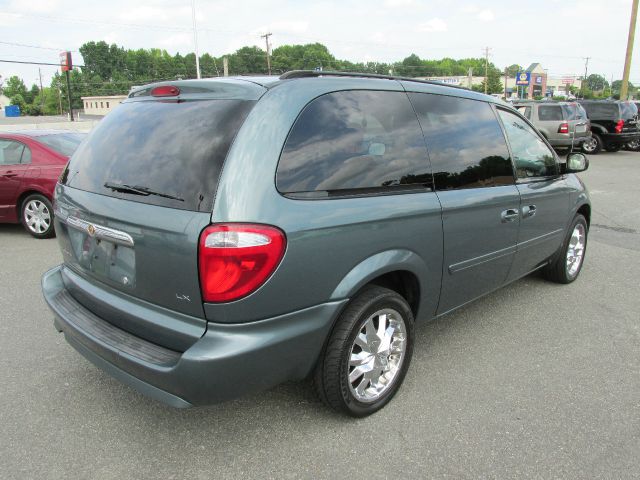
(568, 142)
(229, 360)
(620, 138)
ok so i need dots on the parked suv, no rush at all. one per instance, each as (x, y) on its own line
(564, 124)
(613, 124)
(634, 145)
(222, 236)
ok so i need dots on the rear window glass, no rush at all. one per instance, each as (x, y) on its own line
(466, 145)
(354, 140)
(174, 149)
(64, 143)
(550, 113)
(602, 111)
(628, 110)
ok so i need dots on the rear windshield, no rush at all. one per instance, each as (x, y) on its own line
(159, 152)
(64, 143)
(628, 110)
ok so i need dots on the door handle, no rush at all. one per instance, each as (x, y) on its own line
(509, 215)
(9, 174)
(528, 211)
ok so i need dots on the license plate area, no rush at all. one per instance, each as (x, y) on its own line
(104, 259)
(581, 128)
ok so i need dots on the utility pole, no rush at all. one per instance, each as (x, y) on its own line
(69, 96)
(195, 37)
(486, 69)
(41, 91)
(505, 82)
(470, 78)
(627, 61)
(225, 66)
(584, 79)
(60, 100)
(266, 39)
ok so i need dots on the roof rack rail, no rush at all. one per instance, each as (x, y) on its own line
(314, 73)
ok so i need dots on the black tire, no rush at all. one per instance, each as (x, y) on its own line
(39, 229)
(558, 271)
(613, 147)
(594, 146)
(331, 376)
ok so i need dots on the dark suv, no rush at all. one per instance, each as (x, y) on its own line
(613, 124)
(222, 236)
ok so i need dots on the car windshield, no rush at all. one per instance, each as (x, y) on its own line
(64, 143)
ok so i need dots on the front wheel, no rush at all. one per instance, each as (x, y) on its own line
(36, 214)
(368, 353)
(633, 145)
(567, 265)
(593, 145)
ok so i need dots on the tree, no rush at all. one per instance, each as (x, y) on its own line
(597, 83)
(18, 99)
(15, 86)
(512, 70)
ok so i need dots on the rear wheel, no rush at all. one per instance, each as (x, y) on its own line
(593, 145)
(613, 147)
(36, 215)
(567, 265)
(368, 353)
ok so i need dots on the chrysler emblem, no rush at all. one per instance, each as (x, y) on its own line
(91, 230)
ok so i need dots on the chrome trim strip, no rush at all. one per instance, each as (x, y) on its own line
(100, 231)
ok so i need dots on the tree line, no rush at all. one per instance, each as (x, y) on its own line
(113, 70)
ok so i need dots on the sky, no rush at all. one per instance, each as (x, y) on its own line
(556, 33)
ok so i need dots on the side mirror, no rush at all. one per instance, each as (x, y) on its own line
(576, 162)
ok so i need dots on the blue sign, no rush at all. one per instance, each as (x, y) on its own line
(523, 78)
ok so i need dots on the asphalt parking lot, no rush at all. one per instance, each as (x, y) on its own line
(534, 381)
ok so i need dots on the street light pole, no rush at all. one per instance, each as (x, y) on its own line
(195, 37)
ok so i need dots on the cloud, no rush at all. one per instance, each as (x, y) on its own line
(486, 16)
(178, 40)
(470, 9)
(433, 25)
(149, 14)
(283, 26)
(399, 3)
(35, 6)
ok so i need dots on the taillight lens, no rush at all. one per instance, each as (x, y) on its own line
(563, 128)
(165, 91)
(235, 259)
(619, 126)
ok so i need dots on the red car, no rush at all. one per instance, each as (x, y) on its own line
(30, 164)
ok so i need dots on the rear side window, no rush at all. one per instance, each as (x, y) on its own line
(64, 143)
(628, 110)
(173, 149)
(465, 142)
(549, 113)
(526, 111)
(354, 140)
(11, 152)
(602, 111)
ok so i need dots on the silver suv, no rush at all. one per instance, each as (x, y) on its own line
(563, 124)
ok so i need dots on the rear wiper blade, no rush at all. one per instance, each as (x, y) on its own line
(138, 190)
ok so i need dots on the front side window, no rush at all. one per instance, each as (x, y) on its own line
(549, 113)
(532, 157)
(465, 142)
(354, 140)
(10, 152)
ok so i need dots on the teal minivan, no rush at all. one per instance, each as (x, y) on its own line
(222, 236)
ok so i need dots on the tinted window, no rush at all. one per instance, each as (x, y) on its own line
(549, 112)
(601, 111)
(465, 142)
(64, 143)
(354, 140)
(574, 111)
(531, 155)
(174, 148)
(628, 110)
(10, 152)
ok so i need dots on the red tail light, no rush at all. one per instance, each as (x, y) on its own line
(619, 126)
(235, 259)
(165, 91)
(563, 128)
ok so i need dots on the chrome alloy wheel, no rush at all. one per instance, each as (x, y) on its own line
(575, 250)
(589, 146)
(376, 355)
(37, 216)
